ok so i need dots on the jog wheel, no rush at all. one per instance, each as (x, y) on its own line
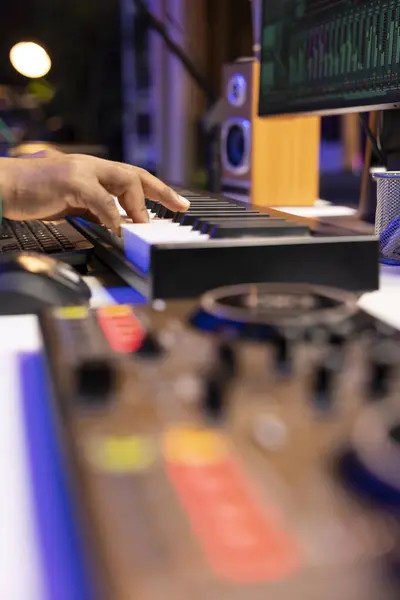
(265, 311)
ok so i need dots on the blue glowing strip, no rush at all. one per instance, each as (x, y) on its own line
(126, 295)
(60, 543)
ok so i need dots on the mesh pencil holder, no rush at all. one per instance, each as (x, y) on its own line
(387, 221)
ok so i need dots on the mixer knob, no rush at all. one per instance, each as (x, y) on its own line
(384, 355)
(218, 379)
(324, 379)
(227, 360)
(282, 353)
(322, 391)
(150, 347)
(379, 380)
(214, 401)
(217, 382)
(95, 381)
(336, 340)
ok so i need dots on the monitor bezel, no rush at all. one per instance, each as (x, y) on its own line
(326, 112)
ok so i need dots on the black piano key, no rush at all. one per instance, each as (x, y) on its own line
(191, 209)
(164, 213)
(158, 208)
(203, 199)
(208, 199)
(206, 212)
(196, 202)
(216, 205)
(189, 194)
(274, 228)
(150, 204)
(190, 218)
(248, 217)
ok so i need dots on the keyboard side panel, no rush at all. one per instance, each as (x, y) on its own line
(350, 264)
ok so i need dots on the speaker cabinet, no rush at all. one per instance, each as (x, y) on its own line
(270, 161)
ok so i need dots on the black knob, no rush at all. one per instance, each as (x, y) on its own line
(383, 357)
(214, 399)
(282, 355)
(323, 384)
(227, 360)
(215, 395)
(95, 381)
(380, 373)
(150, 347)
(329, 346)
(336, 340)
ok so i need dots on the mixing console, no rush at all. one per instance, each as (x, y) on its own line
(244, 446)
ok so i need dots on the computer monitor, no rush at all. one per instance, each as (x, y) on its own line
(329, 56)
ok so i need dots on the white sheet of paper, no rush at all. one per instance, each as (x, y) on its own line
(21, 576)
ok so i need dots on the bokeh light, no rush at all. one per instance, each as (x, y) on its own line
(30, 60)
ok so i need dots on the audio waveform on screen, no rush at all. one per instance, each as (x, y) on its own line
(315, 48)
(363, 44)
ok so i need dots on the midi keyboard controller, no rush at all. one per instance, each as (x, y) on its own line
(220, 241)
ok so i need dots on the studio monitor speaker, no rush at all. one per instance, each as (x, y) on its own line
(271, 161)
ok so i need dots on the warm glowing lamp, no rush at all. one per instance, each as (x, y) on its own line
(30, 60)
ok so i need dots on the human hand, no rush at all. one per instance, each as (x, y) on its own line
(58, 185)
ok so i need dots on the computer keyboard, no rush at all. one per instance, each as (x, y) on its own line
(220, 241)
(56, 238)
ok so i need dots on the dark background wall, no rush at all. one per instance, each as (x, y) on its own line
(83, 40)
(15, 25)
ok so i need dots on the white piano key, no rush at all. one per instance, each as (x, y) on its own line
(121, 211)
(139, 238)
(170, 222)
(161, 232)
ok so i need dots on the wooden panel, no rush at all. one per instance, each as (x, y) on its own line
(285, 157)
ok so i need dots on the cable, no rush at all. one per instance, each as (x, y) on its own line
(194, 73)
(374, 142)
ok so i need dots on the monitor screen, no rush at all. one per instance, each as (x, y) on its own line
(329, 56)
